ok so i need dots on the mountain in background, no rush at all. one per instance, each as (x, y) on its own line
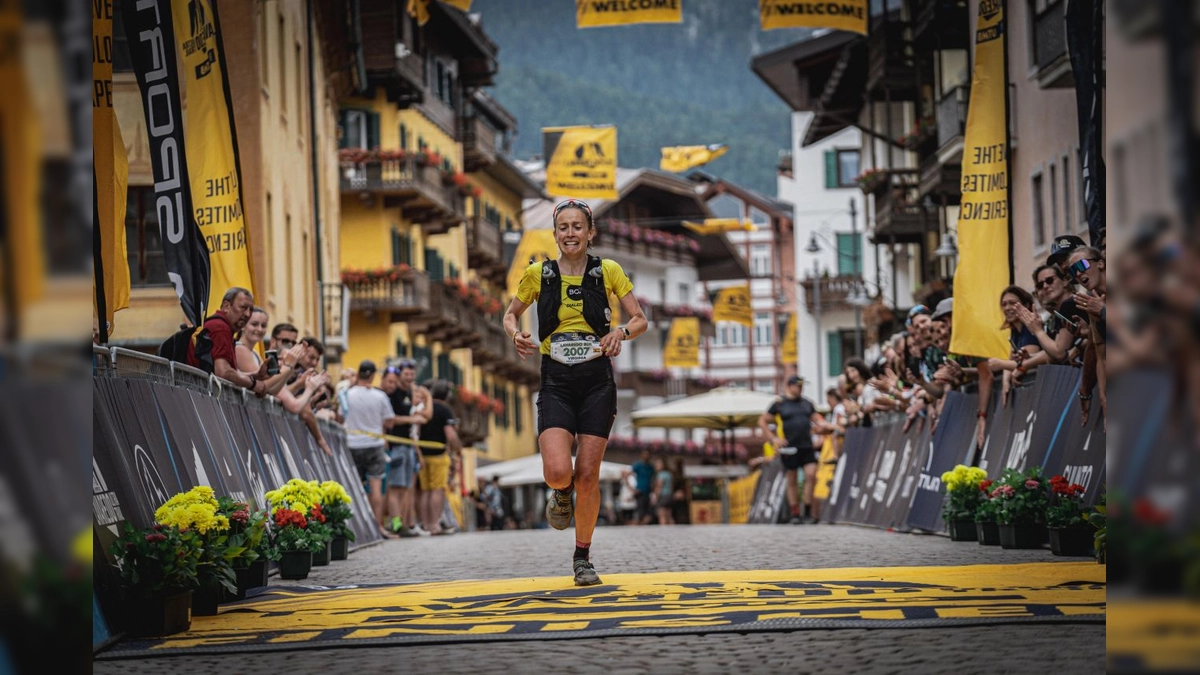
(660, 84)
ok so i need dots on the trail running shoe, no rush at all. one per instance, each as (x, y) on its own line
(585, 574)
(559, 510)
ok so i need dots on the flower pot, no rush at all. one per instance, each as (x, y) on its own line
(205, 600)
(1158, 576)
(339, 549)
(295, 564)
(253, 575)
(1071, 541)
(988, 533)
(963, 530)
(160, 616)
(1021, 536)
(259, 572)
(321, 558)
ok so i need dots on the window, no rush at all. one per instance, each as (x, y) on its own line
(1068, 224)
(143, 240)
(299, 107)
(849, 250)
(1053, 203)
(759, 218)
(264, 65)
(282, 65)
(401, 248)
(841, 168)
(730, 335)
(764, 385)
(359, 129)
(725, 206)
(403, 137)
(762, 328)
(760, 260)
(291, 276)
(841, 347)
(685, 293)
(1039, 221)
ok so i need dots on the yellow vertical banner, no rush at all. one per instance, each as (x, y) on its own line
(419, 10)
(787, 346)
(848, 15)
(535, 245)
(212, 147)
(110, 172)
(683, 343)
(581, 161)
(983, 219)
(464, 5)
(596, 13)
(733, 304)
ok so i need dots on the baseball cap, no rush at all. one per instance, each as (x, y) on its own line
(366, 368)
(1062, 248)
(795, 379)
(916, 310)
(943, 308)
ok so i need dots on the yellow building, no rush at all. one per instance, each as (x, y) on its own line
(426, 192)
(267, 47)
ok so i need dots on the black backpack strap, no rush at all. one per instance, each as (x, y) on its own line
(549, 299)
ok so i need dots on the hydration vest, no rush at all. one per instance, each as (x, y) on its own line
(595, 298)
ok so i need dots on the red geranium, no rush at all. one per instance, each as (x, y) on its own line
(285, 517)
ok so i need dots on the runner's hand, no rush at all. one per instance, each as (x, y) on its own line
(525, 346)
(611, 343)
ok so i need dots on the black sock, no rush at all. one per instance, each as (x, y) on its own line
(581, 552)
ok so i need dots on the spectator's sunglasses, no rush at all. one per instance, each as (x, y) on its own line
(574, 204)
(1079, 267)
(395, 370)
(1045, 283)
(286, 343)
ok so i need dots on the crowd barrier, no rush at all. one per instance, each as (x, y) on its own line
(890, 477)
(160, 428)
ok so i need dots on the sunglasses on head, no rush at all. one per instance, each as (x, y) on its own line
(574, 204)
(1080, 266)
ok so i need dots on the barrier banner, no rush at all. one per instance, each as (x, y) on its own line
(229, 468)
(241, 440)
(186, 434)
(953, 443)
(769, 495)
(1078, 450)
(846, 489)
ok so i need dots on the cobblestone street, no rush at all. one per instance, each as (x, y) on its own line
(1053, 647)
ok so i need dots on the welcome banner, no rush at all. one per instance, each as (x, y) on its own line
(152, 49)
(212, 147)
(983, 220)
(581, 161)
(683, 157)
(110, 175)
(595, 13)
(848, 15)
(733, 304)
(683, 343)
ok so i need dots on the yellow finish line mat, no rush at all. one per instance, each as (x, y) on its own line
(662, 603)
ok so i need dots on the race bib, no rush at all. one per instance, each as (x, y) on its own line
(574, 348)
(789, 450)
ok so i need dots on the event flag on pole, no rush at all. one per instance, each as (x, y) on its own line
(787, 347)
(683, 157)
(720, 225)
(581, 162)
(596, 13)
(110, 175)
(848, 15)
(683, 343)
(983, 220)
(733, 304)
(152, 48)
(212, 155)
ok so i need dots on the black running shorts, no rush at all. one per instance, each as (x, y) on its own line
(798, 459)
(581, 399)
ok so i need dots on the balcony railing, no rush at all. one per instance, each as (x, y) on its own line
(891, 64)
(451, 320)
(336, 299)
(485, 249)
(899, 215)
(418, 189)
(952, 116)
(1050, 48)
(472, 422)
(832, 291)
(493, 347)
(479, 143)
(403, 298)
(654, 383)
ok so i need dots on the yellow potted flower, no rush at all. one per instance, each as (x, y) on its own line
(197, 511)
(963, 495)
(335, 504)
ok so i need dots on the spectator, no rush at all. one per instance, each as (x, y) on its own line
(1086, 266)
(296, 397)
(368, 414)
(662, 492)
(627, 503)
(248, 360)
(1056, 334)
(795, 445)
(236, 305)
(493, 499)
(405, 458)
(644, 471)
(435, 460)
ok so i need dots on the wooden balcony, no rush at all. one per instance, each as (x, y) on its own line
(400, 299)
(511, 367)
(485, 248)
(899, 215)
(450, 320)
(402, 78)
(831, 291)
(419, 191)
(472, 422)
(891, 64)
(941, 24)
(941, 181)
(652, 383)
(1050, 48)
(493, 348)
(478, 143)
(952, 119)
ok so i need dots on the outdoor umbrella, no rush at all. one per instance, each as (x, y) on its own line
(724, 409)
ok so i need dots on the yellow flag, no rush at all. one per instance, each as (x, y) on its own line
(535, 245)
(593, 13)
(110, 169)
(983, 219)
(849, 15)
(683, 343)
(787, 346)
(733, 304)
(211, 147)
(719, 225)
(683, 157)
(581, 161)
(419, 10)
(464, 5)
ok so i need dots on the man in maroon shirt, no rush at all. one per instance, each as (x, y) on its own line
(236, 306)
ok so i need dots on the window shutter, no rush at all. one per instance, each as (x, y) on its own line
(835, 353)
(397, 244)
(831, 169)
(403, 136)
(372, 130)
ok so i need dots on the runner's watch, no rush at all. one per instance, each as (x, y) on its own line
(625, 331)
